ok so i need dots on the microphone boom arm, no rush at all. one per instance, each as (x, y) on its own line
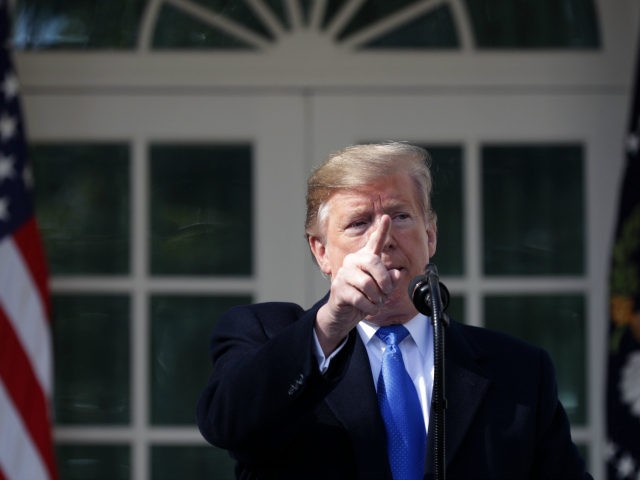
(431, 298)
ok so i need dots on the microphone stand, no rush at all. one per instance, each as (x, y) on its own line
(431, 298)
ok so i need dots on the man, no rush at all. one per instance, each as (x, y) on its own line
(309, 394)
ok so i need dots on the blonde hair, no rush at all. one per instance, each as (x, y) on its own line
(360, 165)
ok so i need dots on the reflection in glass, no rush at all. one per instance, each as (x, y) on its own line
(180, 365)
(82, 205)
(91, 347)
(77, 24)
(533, 209)
(94, 462)
(201, 209)
(556, 323)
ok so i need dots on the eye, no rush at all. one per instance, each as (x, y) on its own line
(401, 216)
(357, 225)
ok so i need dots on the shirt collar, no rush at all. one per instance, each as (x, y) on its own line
(419, 328)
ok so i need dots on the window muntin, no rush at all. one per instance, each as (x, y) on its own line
(375, 24)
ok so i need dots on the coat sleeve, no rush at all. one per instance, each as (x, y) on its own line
(556, 454)
(265, 378)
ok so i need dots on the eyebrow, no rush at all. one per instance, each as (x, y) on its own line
(391, 206)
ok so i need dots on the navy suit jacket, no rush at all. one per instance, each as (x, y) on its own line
(267, 403)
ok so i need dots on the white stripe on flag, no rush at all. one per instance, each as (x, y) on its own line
(19, 457)
(24, 307)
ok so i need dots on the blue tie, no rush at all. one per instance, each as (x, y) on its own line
(400, 408)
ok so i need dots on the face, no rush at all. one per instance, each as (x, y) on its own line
(411, 241)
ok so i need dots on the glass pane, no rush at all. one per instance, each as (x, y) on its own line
(456, 309)
(175, 29)
(331, 10)
(171, 463)
(91, 348)
(305, 7)
(434, 29)
(95, 462)
(82, 204)
(201, 209)
(180, 331)
(448, 203)
(372, 11)
(243, 14)
(557, 324)
(533, 207)
(277, 7)
(77, 24)
(534, 23)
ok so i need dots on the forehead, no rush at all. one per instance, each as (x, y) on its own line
(395, 190)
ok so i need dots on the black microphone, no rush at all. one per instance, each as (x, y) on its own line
(422, 289)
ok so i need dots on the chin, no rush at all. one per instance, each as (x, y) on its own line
(394, 311)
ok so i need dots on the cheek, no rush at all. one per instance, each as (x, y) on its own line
(334, 257)
(421, 254)
(344, 245)
(428, 245)
(421, 239)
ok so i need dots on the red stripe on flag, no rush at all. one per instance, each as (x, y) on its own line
(28, 241)
(25, 391)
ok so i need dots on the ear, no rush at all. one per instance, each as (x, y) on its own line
(432, 238)
(319, 250)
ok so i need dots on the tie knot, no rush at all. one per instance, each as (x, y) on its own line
(392, 334)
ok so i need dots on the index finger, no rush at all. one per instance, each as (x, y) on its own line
(376, 240)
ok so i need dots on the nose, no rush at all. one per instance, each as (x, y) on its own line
(388, 242)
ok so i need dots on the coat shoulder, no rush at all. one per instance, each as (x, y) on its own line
(484, 342)
(268, 318)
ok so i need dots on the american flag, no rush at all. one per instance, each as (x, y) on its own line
(26, 448)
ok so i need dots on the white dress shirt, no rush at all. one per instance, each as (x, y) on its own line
(417, 355)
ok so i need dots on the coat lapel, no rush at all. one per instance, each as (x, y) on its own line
(465, 388)
(354, 402)
(355, 405)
